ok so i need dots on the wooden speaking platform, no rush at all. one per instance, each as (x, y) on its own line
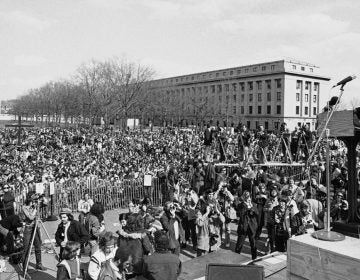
(196, 268)
(310, 258)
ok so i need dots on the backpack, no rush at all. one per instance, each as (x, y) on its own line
(106, 271)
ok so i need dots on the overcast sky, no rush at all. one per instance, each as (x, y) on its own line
(44, 40)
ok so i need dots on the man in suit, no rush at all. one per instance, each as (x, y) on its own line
(248, 223)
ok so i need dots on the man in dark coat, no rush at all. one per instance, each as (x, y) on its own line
(9, 227)
(172, 225)
(248, 223)
(7, 201)
(70, 230)
(162, 265)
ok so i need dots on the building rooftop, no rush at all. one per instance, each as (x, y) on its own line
(264, 68)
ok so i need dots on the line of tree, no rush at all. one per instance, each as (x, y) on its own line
(114, 88)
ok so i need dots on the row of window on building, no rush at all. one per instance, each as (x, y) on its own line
(225, 73)
(251, 111)
(234, 86)
(260, 97)
(218, 74)
(250, 86)
(306, 97)
(299, 85)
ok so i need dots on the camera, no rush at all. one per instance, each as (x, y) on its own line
(175, 206)
(36, 197)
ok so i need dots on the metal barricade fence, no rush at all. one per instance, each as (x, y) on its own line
(113, 195)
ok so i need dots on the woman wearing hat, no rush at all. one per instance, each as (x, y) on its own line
(69, 230)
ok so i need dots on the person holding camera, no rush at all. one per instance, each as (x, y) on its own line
(171, 223)
(339, 208)
(248, 223)
(302, 222)
(215, 218)
(340, 183)
(280, 220)
(226, 200)
(29, 213)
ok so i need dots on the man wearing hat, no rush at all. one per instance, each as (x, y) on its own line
(29, 213)
(69, 230)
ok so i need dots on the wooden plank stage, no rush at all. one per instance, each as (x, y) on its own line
(196, 268)
(312, 258)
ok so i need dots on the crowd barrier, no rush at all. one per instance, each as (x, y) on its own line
(113, 195)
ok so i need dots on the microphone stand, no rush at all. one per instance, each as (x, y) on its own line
(326, 234)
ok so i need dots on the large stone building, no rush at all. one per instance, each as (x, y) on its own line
(267, 93)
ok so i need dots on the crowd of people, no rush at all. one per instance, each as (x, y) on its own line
(197, 211)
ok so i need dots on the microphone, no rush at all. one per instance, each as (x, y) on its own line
(344, 81)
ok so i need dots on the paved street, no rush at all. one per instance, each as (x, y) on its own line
(111, 218)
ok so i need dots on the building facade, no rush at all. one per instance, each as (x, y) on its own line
(261, 94)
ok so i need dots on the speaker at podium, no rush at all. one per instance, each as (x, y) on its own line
(234, 272)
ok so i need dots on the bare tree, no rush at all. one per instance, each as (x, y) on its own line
(125, 86)
(354, 102)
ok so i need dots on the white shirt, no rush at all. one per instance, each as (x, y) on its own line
(66, 227)
(176, 229)
(96, 260)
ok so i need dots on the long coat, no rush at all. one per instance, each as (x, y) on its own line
(76, 232)
(248, 218)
